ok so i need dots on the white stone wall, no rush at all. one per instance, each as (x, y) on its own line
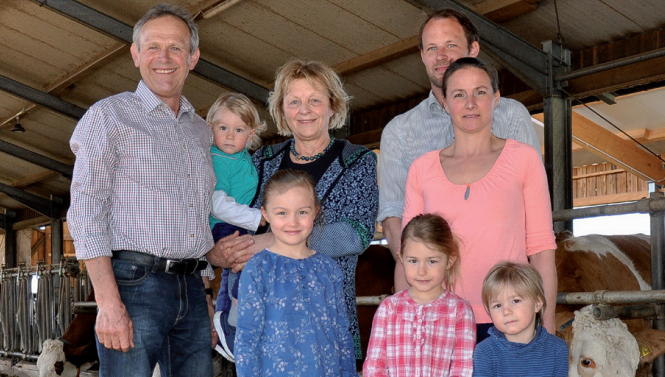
(23, 246)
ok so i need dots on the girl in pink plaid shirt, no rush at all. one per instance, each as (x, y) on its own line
(425, 330)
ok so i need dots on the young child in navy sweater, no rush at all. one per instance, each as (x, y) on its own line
(518, 344)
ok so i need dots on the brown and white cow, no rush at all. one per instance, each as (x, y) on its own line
(614, 263)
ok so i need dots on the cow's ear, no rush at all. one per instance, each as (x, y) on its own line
(652, 344)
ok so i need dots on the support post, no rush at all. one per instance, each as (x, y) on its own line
(56, 241)
(657, 271)
(11, 256)
(558, 137)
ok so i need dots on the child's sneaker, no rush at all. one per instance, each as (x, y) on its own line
(226, 334)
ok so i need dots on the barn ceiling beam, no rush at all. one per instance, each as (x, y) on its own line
(529, 63)
(642, 135)
(7, 218)
(51, 208)
(495, 10)
(37, 159)
(34, 178)
(377, 57)
(123, 32)
(614, 149)
(44, 99)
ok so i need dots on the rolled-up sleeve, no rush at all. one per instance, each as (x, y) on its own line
(392, 172)
(88, 217)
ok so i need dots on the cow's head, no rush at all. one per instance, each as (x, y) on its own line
(606, 348)
(51, 362)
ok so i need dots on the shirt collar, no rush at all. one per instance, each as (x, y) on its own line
(410, 307)
(152, 102)
(433, 104)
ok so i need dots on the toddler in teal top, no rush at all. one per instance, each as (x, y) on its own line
(236, 125)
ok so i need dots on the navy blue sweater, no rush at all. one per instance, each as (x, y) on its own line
(546, 355)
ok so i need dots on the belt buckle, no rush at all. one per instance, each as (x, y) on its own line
(169, 263)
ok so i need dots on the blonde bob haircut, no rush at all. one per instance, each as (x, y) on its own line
(318, 75)
(243, 107)
(523, 278)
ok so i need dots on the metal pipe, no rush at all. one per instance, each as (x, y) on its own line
(605, 312)
(18, 354)
(608, 297)
(370, 300)
(657, 242)
(614, 64)
(640, 206)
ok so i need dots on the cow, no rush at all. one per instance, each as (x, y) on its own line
(611, 347)
(75, 351)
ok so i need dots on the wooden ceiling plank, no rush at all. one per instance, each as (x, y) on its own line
(377, 57)
(506, 9)
(59, 87)
(34, 178)
(607, 145)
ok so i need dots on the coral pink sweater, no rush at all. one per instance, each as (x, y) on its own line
(507, 215)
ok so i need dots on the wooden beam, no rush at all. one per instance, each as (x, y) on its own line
(642, 135)
(504, 10)
(495, 10)
(34, 178)
(635, 74)
(377, 57)
(613, 198)
(644, 72)
(366, 138)
(605, 144)
(598, 174)
(63, 85)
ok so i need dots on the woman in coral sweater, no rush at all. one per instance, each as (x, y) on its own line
(493, 192)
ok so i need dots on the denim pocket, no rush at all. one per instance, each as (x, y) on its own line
(128, 273)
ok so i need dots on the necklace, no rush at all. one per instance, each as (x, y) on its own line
(297, 156)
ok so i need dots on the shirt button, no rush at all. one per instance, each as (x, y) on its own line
(191, 205)
(192, 235)
(188, 175)
(184, 146)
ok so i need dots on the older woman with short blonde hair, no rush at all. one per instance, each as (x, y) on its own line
(309, 101)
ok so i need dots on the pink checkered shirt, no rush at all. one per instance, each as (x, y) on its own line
(413, 340)
(142, 180)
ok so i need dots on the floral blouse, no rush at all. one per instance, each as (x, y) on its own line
(292, 318)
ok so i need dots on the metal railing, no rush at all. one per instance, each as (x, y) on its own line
(28, 318)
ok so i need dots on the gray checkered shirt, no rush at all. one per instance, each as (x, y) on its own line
(143, 178)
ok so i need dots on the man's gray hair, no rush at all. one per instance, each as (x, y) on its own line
(165, 9)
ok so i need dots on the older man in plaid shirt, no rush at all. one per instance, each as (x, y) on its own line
(141, 193)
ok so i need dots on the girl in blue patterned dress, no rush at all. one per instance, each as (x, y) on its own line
(292, 317)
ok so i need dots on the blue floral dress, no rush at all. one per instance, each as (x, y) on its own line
(292, 318)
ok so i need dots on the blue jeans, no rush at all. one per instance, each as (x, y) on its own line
(171, 324)
(229, 284)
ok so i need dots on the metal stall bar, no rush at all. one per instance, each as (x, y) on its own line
(654, 207)
(640, 206)
(611, 297)
(657, 276)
